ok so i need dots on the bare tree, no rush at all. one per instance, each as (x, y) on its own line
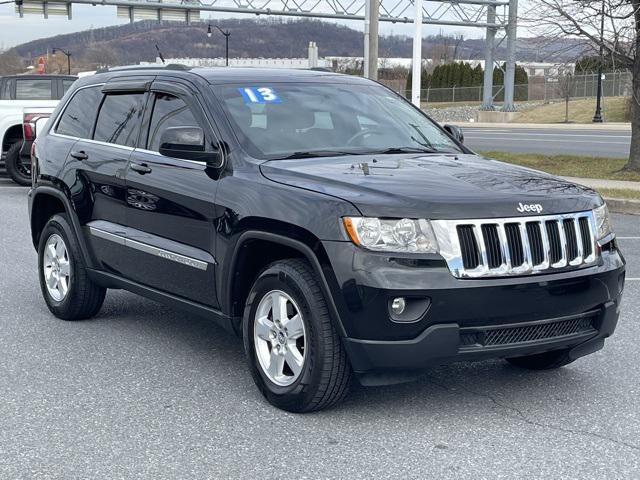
(566, 84)
(10, 63)
(100, 56)
(620, 41)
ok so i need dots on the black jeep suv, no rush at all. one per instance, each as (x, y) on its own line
(336, 228)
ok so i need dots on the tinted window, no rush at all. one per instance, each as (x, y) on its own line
(80, 115)
(168, 111)
(119, 119)
(33, 90)
(66, 85)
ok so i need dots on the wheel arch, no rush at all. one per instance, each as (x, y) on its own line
(46, 202)
(12, 132)
(270, 246)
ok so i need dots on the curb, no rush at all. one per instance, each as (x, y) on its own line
(618, 205)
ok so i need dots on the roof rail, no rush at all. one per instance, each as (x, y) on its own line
(171, 66)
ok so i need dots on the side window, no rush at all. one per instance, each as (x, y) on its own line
(168, 111)
(34, 89)
(5, 94)
(66, 85)
(80, 115)
(119, 119)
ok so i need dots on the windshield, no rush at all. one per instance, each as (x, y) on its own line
(297, 120)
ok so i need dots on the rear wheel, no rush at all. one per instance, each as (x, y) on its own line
(543, 361)
(66, 287)
(17, 168)
(295, 355)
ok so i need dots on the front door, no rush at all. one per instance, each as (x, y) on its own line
(170, 204)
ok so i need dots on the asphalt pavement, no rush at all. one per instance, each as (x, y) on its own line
(146, 391)
(550, 140)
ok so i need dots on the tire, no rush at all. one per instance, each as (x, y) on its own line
(325, 375)
(82, 298)
(543, 361)
(15, 168)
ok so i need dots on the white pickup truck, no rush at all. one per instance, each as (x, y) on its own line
(17, 93)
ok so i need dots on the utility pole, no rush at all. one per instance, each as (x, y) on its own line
(597, 118)
(490, 41)
(416, 73)
(371, 22)
(510, 73)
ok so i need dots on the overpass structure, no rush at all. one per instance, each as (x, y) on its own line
(498, 18)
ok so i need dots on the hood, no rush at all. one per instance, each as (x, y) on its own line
(435, 186)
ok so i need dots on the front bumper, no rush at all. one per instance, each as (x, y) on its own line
(441, 344)
(468, 319)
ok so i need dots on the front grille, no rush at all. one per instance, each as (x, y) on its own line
(517, 246)
(491, 337)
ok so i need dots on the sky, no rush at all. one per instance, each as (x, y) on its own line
(15, 30)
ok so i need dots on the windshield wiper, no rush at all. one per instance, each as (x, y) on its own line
(397, 150)
(316, 154)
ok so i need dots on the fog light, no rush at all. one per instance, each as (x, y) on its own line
(398, 305)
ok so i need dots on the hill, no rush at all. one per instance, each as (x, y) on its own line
(268, 38)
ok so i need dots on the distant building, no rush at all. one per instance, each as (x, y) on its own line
(248, 62)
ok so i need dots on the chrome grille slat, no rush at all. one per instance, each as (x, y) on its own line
(560, 241)
(580, 258)
(563, 246)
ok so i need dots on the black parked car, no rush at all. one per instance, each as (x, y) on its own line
(323, 218)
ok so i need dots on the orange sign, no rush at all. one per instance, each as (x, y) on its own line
(42, 63)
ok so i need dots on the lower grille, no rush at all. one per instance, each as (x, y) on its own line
(491, 337)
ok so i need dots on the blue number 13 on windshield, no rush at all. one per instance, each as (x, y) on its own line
(259, 95)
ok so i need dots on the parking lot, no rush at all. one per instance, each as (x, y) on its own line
(145, 391)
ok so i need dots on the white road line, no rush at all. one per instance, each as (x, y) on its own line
(564, 135)
(632, 279)
(547, 140)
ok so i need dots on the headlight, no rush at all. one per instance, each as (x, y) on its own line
(603, 221)
(381, 235)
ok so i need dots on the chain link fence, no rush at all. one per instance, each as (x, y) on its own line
(616, 84)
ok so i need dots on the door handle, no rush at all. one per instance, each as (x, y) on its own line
(79, 155)
(141, 168)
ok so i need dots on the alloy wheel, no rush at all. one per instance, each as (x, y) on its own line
(56, 268)
(279, 338)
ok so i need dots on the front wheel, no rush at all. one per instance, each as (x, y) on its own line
(295, 355)
(17, 168)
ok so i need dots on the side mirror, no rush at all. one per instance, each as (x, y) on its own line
(187, 143)
(455, 132)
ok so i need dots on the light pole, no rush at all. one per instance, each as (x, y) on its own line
(226, 34)
(597, 118)
(67, 54)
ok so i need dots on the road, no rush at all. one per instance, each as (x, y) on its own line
(550, 140)
(145, 391)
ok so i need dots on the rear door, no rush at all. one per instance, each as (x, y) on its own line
(170, 203)
(99, 165)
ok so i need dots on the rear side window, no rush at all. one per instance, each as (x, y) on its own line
(168, 111)
(119, 119)
(5, 94)
(66, 85)
(80, 115)
(34, 89)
